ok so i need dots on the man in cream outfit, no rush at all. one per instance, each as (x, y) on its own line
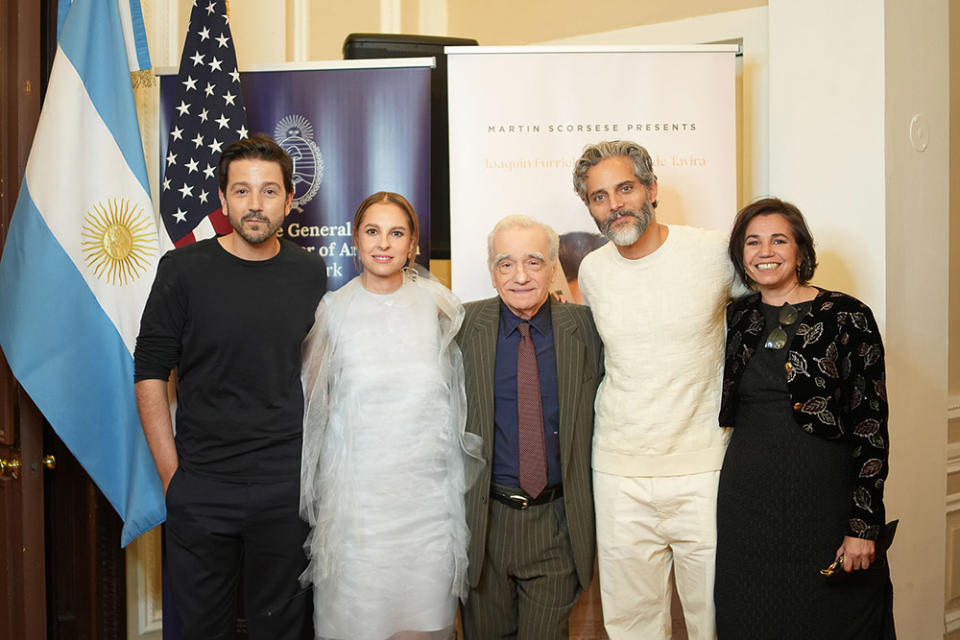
(657, 294)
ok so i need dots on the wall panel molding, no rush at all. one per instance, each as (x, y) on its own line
(145, 587)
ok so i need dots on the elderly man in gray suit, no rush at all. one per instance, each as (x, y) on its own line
(532, 370)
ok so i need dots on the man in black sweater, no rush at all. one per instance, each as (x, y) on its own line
(229, 314)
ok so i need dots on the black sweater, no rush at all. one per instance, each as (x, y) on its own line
(232, 328)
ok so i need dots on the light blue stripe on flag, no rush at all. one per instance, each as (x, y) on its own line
(100, 59)
(140, 42)
(139, 35)
(45, 334)
(63, 8)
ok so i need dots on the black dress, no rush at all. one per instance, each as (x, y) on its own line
(782, 508)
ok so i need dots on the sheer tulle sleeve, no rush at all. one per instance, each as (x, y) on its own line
(324, 474)
(451, 317)
(450, 312)
(315, 377)
(325, 442)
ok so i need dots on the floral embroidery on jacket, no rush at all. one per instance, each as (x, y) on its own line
(837, 385)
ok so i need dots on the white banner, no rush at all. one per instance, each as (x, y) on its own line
(520, 117)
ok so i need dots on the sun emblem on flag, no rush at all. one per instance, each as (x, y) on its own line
(295, 134)
(118, 241)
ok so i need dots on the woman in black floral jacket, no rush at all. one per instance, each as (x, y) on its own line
(802, 480)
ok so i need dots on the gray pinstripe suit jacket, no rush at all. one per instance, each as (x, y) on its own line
(579, 369)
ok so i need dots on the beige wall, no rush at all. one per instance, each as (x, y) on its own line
(259, 35)
(331, 22)
(827, 137)
(842, 95)
(955, 198)
(501, 22)
(291, 30)
(267, 32)
(917, 250)
(952, 595)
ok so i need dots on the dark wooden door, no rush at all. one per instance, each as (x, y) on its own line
(22, 585)
(86, 595)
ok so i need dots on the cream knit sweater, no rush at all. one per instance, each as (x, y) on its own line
(661, 319)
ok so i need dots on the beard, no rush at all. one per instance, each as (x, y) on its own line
(631, 233)
(259, 236)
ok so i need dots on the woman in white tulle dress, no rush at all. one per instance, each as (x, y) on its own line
(385, 457)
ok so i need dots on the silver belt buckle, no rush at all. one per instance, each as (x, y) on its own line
(523, 500)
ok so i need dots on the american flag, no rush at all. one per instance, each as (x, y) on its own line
(208, 116)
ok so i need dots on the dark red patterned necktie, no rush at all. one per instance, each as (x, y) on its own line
(533, 457)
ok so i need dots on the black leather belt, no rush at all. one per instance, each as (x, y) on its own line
(518, 499)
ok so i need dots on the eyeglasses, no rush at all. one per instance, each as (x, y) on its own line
(778, 337)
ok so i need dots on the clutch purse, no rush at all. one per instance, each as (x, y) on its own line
(884, 539)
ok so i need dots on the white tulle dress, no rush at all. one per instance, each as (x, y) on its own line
(386, 461)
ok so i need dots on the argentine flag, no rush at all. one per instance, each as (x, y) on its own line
(79, 260)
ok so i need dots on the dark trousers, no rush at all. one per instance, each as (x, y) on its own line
(215, 528)
(529, 581)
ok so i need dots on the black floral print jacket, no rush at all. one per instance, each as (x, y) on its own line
(835, 374)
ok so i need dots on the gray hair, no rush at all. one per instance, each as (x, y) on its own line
(594, 153)
(524, 222)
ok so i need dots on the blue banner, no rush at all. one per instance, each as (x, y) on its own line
(351, 132)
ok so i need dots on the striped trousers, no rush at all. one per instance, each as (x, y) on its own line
(529, 581)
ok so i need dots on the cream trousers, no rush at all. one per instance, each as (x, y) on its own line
(645, 526)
